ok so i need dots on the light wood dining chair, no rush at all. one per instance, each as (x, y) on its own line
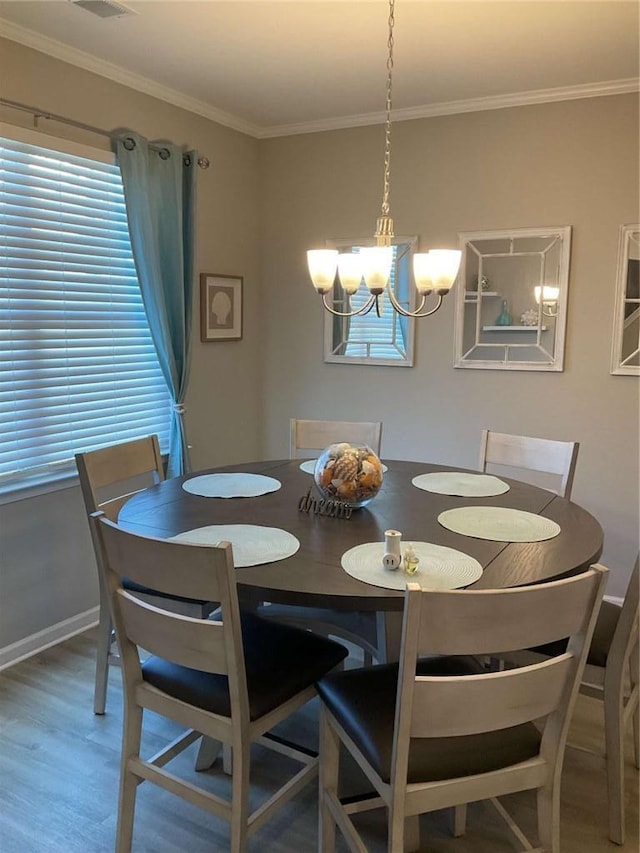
(364, 629)
(543, 455)
(232, 679)
(612, 675)
(308, 438)
(612, 665)
(438, 733)
(109, 476)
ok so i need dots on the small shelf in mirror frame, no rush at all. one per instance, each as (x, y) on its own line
(511, 302)
(625, 347)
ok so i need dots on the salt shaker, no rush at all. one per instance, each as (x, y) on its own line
(392, 556)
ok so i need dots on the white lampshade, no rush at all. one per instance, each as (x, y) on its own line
(445, 264)
(322, 265)
(350, 271)
(549, 293)
(422, 272)
(376, 266)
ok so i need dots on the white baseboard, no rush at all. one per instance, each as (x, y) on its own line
(51, 636)
(614, 599)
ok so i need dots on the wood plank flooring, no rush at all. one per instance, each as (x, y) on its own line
(59, 768)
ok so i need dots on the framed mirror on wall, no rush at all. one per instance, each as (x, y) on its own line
(366, 338)
(625, 348)
(511, 299)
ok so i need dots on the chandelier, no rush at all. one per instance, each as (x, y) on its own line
(433, 271)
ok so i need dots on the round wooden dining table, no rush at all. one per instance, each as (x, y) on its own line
(314, 575)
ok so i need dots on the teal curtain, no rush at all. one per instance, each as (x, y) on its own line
(159, 182)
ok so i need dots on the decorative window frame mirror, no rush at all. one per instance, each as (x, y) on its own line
(625, 347)
(369, 339)
(511, 299)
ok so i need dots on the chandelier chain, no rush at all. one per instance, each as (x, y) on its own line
(387, 125)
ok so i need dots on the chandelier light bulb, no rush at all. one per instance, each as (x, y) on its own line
(376, 267)
(350, 271)
(445, 264)
(322, 265)
(423, 273)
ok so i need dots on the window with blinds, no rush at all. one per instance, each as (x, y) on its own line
(78, 368)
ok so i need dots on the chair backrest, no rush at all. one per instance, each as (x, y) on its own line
(111, 475)
(175, 569)
(488, 622)
(311, 437)
(534, 454)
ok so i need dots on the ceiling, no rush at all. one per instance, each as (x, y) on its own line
(273, 68)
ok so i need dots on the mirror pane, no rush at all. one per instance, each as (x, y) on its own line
(625, 346)
(369, 338)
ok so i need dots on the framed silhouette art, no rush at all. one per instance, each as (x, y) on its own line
(220, 307)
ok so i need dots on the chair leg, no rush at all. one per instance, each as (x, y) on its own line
(367, 658)
(128, 781)
(227, 760)
(459, 821)
(328, 783)
(105, 632)
(240, 798)
(411, 842)
(208, 751)
(549, 818)
(614, 754)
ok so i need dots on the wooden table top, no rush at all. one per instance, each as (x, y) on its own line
(314, 575)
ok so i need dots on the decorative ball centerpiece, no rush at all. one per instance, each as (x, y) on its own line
(349, 474)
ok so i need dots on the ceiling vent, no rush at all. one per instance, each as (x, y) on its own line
(104, 8)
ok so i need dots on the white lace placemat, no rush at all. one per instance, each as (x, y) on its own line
(309, 466)
(499, 524)
(253, 544)
(439, 567)
(461, 483)
(231, 485)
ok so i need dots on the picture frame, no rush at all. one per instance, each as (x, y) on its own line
(220, 307)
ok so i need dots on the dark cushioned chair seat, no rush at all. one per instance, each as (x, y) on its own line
(133, 587)
(363, 702)
(280, 661)
(602, 637)
(362, 623)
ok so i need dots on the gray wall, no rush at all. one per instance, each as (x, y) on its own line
(261, 204)
(573, 163)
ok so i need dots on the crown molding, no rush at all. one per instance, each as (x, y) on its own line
(472, 105)
(79, 58)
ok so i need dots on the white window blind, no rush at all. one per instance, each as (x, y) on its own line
(370, 335)
(78, 368)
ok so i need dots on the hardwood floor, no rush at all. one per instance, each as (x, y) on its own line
(59, 779)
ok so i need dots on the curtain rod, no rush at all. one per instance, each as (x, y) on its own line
(37, 113)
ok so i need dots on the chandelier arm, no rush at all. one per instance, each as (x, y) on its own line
(418, 312)
(364, 310)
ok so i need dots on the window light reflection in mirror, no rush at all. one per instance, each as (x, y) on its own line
(368, 338)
